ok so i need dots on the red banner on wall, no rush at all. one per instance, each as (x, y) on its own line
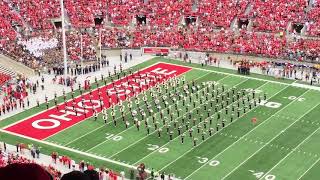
(156, 50)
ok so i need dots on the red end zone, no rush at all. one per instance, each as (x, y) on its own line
(53, 121)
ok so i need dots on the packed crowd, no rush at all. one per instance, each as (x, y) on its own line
(4, 78)
(163, 27)
(274, 15)
(313, 25)
(37, 13)
(19, 160)
(305, 73)
(221, 13)
(7, 159)
(14, 95)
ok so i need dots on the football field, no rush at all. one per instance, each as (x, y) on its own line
(283, 143)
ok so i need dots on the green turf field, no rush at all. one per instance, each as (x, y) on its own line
(283, 144)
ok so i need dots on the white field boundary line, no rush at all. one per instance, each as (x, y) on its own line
(170, 123)
(249, 77)
(67, 102)
(293, 150)
(233, 142)
(128, 112)
(194, 126)
(309, 169)
(129, 127)
(72, 150)
(273, 137)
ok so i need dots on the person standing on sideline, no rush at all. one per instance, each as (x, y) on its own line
(95, 115)
(17, 146)
(38, 152)
(4, 146)
(162, 176)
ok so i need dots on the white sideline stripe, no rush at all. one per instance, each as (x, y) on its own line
(72, 150)
(209, 138)
(249, 77)
(68, 101)
(309, 169)
(302, 142)
(154, 132)
(196, 125)
(131, 128)
(306, 86)
(274, 136)
(117, 118)
(247, 132)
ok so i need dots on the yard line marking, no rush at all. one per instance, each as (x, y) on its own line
(293, 149)
(134, 126)
(276, 135)
(226, 126)
(309, 169)
(288, 84)
(170, 123)
(128, 112)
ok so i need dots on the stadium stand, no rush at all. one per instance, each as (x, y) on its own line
(164, 25)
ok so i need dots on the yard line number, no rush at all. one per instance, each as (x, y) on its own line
(203, 160)
(250, 90)
(113, 137)
(153, 147)
(276, 105)
(300, 99)
(270, 104)
(259, 175)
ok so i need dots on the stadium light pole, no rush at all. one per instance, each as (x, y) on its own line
(81, 51)
(100, 44)
(64, 41)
